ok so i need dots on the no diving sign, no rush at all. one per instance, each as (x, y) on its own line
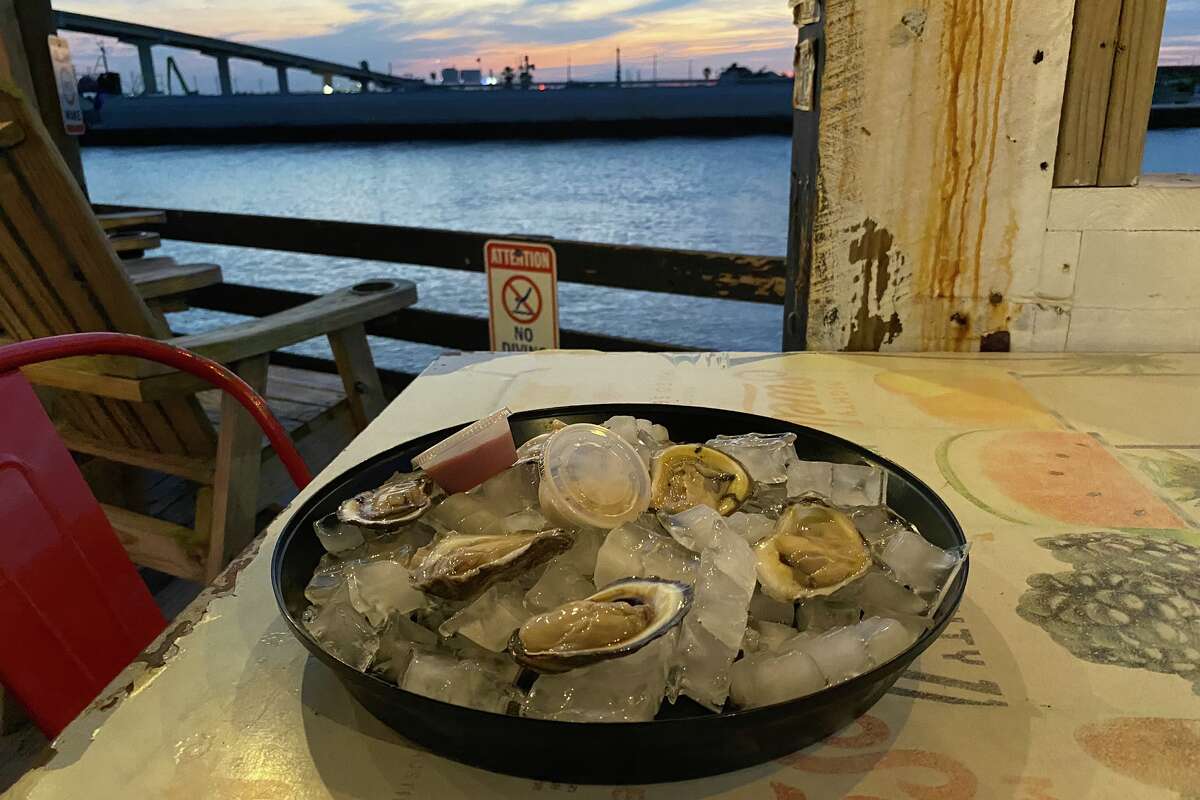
(522, 295)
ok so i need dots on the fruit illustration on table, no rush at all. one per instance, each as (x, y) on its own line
(1036, 477)
(1157, 752)
(969, 397)
(1132, 601)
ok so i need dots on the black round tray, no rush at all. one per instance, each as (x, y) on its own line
(686, 741)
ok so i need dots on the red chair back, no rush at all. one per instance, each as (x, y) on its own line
(73, 610)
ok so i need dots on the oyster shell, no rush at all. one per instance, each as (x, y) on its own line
(618, 620)
(689, 475)
(401, 499)
(459, 567)
(815, 550)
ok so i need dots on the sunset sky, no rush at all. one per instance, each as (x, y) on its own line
(419, 36)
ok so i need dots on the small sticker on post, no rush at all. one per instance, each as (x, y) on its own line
(68, 86)
(806, 70)
(805, 12)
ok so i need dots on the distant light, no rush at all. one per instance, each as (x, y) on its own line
(541, 87)
(327, 89)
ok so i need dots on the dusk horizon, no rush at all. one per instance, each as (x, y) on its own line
(564, 38)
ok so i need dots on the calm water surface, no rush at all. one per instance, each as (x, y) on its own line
(707, 194)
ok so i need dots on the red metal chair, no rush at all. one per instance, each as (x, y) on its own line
(73, 611)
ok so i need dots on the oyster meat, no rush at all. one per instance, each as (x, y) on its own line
(459, 567)
(815, 550)
(401, 499)
(689, 475)
(618, 620)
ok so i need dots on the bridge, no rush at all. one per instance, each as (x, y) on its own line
(145, 37)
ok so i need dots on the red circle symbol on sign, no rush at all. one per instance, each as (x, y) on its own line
(522, 299)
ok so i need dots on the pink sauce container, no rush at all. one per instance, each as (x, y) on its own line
(471, 456)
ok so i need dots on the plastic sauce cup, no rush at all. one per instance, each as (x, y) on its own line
(466, 459)
(592, 478)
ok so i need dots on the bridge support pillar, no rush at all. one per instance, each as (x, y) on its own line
(223, 75)
(281, 71)
(146, 57)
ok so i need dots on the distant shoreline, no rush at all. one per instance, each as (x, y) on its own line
(721, 127)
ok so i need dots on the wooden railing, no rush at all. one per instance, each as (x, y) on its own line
(694, 273)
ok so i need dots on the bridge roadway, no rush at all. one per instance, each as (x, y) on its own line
(144, 37)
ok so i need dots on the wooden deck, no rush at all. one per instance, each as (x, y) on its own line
(297, 397)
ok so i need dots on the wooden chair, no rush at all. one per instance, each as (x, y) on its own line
(60, 274)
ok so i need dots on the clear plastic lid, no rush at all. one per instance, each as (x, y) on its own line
(591, 477)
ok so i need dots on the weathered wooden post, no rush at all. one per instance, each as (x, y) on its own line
(25, 61)
(940, 183)
(937, 136)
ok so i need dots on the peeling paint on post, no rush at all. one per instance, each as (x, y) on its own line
(873, 250)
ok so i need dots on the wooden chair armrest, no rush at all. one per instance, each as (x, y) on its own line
(353, 305)
(128, 219)
(162, 276)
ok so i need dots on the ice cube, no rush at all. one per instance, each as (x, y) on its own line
(695, 529)
(661, 435)
(885, 638)
(805, 477)
(463, 682)
(858, 485)
(515, 489)
(626, 689)
(876, 523)
(343, 632)
(712, 632)
(627, 428)
(768, 609)
(917, 563)
(620, 556)
(400, 544)
(337, 537)
(765, 456)
(381, 588)
(396, 644)
(652, 435)
(840, 654)
(559, 584)
(751, 640)
(624, 426)
(767, 500)
(323, 586)
(528, 520)
(464, 513)
(582, 555)
(878, 595)
(499, 665)
(771, 635)
(751, 527)
(762, 679)
(490, 620)
(817, 614)
(637, 550)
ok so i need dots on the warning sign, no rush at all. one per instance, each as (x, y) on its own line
(68, 87)
(522, 295)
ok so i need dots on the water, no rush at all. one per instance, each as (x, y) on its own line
(707, 194)
(1175, 150)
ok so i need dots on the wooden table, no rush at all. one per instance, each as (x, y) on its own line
(1077, 478)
